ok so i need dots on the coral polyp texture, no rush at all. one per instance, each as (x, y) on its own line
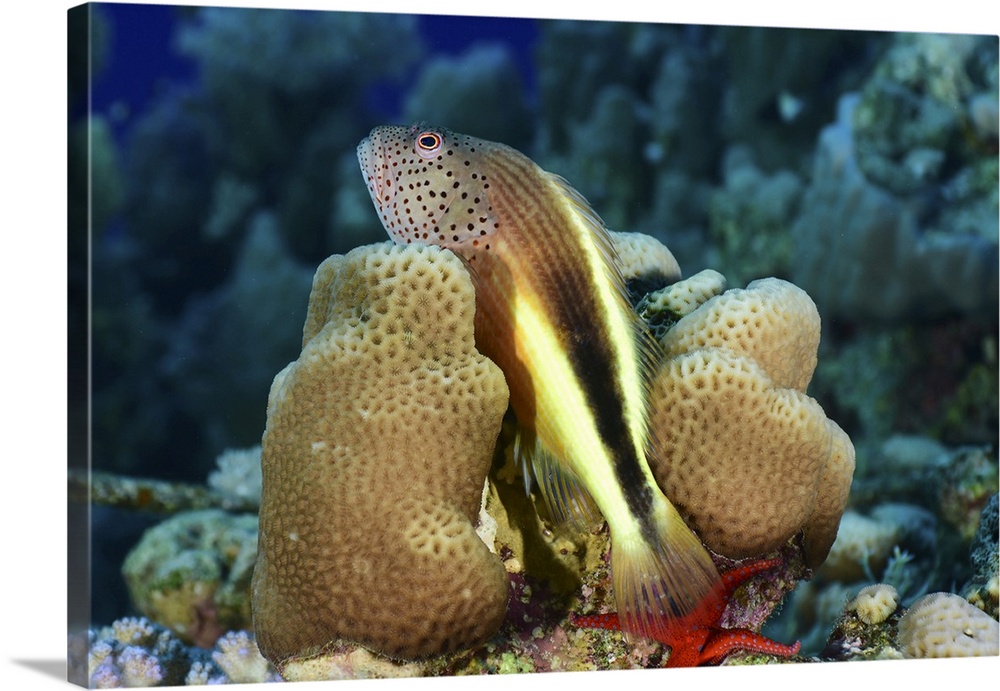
(378, 441)
(640, 255)
(874, 603)
(946, 625)
(192, 573)
(747, 456)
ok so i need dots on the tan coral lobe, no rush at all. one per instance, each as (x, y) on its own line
(638, 255)
(771, 321)
(378, 441)
(747, 456)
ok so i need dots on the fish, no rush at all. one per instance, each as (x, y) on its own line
(552, 313)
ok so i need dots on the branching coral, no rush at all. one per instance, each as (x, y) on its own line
(133, 652)
(378, 441)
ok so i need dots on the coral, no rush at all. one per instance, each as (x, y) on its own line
(237, 656)
(238, 475)
(747, 457)
(866, 628)
(874, 603)
(99, 173)
(770, 321)
(644, 257)
(953, 483)
(967, 480)
(810, 614)
(377, 445)
(144, 494)
(862, 543)
(982, 589)
(525, 538)
(273, 71)
(170, 151)
(133, 652)
(913, 109)
(850, 234)
(566, 82)
(602, 167)
(779, 86)
(191, 573)
(946, 625)
(348, 662)
(663, 308)
(232, 200)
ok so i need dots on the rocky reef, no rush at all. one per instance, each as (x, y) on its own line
(854, 172)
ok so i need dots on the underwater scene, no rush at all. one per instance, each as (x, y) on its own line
(415, 345)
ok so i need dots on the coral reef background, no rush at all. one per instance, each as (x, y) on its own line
(861, 166)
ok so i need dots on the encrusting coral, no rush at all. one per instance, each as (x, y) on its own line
(378, 441)
(748, 458)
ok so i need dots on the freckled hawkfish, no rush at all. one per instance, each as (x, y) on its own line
(551, 312)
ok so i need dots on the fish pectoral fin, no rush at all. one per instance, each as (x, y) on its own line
(564, 494)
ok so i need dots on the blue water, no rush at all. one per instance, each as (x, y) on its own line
(142, 60)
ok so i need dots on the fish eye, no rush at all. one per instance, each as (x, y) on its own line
(428, 143)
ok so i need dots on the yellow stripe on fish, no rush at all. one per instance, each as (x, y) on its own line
(552, 313)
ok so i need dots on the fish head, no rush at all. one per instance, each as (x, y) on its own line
(431, 186)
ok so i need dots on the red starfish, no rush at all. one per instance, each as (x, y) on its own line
(697, 638)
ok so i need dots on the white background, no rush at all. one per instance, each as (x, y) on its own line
(32, 344)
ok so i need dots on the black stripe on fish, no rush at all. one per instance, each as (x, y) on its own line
(592, 357)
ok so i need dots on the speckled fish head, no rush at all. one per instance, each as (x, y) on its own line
(430, 186)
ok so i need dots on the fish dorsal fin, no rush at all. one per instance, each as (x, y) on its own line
(598, 231)
(564, 494)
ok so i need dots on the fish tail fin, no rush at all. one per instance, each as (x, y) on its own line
(565, 497)
(658, 582)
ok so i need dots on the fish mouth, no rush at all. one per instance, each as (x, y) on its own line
(371, 158)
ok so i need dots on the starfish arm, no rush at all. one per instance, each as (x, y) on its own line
(723, 642)
(696, 638)
(607, 621)
(734, 578)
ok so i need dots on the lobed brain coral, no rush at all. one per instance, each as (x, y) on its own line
(640, 255)
(748, 458)
(375, 454)
(946, 625)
